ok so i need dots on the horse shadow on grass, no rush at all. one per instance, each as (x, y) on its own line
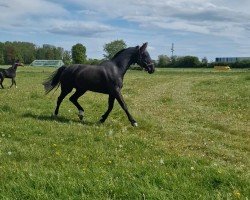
(60, 119)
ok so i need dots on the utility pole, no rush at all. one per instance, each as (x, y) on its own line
(172, 50)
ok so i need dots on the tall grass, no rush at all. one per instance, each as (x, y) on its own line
(192, 141)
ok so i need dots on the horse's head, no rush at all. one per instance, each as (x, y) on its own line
(17, 63)
(144, 59)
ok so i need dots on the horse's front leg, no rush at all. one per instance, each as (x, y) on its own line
(110, 107)
(122, 103)
(12, 82)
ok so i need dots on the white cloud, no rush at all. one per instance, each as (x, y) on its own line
(78, 28)
(213, 17)
(160, 22)
(27, 14)
(198, 16)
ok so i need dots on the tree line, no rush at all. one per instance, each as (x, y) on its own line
(193, 62)
(26, 52)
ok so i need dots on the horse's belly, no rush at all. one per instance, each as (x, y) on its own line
(99, 90)
(94, 84)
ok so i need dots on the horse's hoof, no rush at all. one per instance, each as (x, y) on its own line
(53, 115)
(102, 120)
(134, 124)
(80, 117)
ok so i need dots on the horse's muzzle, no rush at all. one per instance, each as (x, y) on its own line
(150, 69)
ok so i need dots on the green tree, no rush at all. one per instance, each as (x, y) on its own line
(1, 53)
(49, 51)
(113, 47)
(49, 54)
(58, 53)
(40, 54)
(27, 51)
(67, 57)
(94, 61)
(78, 53)
(163, 61)
(187, 62)
(204, 62)
(1, 58)
(9, 53)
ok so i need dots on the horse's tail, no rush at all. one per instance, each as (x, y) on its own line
(53, 80)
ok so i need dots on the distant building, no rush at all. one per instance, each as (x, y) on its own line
(231, 59)
(47, 63)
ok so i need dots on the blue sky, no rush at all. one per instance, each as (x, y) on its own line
(211, 28)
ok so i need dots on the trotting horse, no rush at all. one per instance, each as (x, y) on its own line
(105, 78)
(9, 73)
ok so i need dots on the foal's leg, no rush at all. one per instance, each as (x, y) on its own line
(1, 82)
(74, 99)
(12, 82)
(122, 103)
(64, 92)
(111, 105)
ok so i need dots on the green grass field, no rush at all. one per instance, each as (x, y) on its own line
(192, 141)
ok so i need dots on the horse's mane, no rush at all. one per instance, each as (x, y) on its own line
(118, 53)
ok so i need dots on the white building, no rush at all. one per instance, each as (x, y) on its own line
(231, 59)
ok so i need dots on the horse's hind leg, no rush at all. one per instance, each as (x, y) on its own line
(64, 92)
(110, 107)
(74, 99)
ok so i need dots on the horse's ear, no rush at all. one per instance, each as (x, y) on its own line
(143, 47)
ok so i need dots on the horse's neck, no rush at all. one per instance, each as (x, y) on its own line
(13, 68)
(123, 61)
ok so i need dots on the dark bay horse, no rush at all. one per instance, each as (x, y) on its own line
(105, 78)
(9, 73)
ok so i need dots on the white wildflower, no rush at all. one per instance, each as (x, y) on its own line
(161, 161)
(110, 132)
